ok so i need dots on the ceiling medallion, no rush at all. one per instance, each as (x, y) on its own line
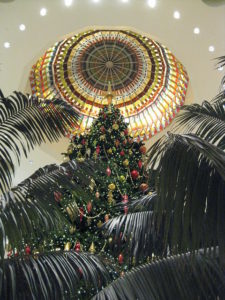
(148, 83)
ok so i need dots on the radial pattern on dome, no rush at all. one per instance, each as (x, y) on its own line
(149, 84)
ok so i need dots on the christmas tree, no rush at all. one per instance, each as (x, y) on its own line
(119, 178)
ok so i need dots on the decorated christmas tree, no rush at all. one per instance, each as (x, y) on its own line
(118, 178)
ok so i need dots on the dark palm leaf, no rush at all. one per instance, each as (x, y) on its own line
(221, 63)
(206, 120)
(144, 203)
(56, 275)
(30, 208)
(176, 277)
(25, 122)
(190, 186)
(136, 231)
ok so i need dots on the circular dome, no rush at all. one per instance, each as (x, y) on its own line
(148, 83)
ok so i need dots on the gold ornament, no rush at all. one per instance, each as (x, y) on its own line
(122, 178)
(102, 137)
(110, 197)
(115, 126)
(67, 246)
(109, 130)
(89, 221)
(80, 159)
(122, 134)
(126, 163)
(109, 151)
(70, 151)
(72, 229)
(92, 185)
(110, 240)
(70, 213)
(36, 253)
(112, 186)
(92, 248)
(99, 224)
(130, 152)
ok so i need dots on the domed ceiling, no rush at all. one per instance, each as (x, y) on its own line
(148, 83)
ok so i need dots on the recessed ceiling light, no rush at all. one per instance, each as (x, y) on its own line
(152, 3)
(43, 12)
(125, 1)
(22, 27)
(68, 2)
(176, 15)
(220, 69)
(7, 45)
(96, 1)
(196, 30)
(211, 48)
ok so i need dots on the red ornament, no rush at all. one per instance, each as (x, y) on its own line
(27, 250)
(140, 164)
(122, 153)
(98, 149)
(81, 214)
(89, 207)
(124, 201)
(120, 258)
(83, 142)
(126, 132)
(143, 149)
(9, 253)
(108, 171)
(77, 247)
(134, 174)
(57, 196)
(104, 116)
(102, 128)
(125, 142)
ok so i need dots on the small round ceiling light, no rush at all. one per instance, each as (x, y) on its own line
(196, 30)
(43, 12)
(211, 48)
(152, 3)
(68, 2)
(7, 45)
(22, 27)
(176, 14)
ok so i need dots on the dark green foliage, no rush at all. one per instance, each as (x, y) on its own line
(25, 122)
(56, 275)
(175, 277)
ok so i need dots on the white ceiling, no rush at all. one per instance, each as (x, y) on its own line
(177, 34)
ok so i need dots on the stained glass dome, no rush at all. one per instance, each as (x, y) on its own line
(148, 83)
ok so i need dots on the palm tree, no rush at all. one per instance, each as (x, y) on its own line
(179, 228)
(26, 121)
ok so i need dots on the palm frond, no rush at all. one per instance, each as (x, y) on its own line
(190, 186)
(30, 208)
(25, 122)
(221, 64)
(206, 120)
(176, 277)
(144, 203)
(135, 233)
(56, 275)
